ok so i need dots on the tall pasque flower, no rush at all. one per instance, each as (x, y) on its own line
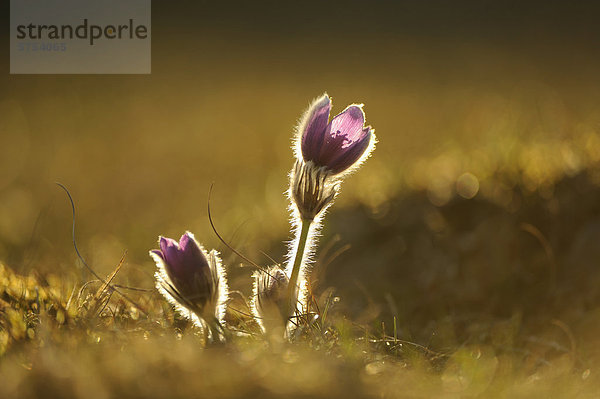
(193, 280)
(326, 151)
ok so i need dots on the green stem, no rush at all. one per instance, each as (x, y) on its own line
(293, 284)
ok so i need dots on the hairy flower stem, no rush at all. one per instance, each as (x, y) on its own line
(293, 284)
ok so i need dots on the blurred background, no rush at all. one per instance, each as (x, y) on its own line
(479, 199)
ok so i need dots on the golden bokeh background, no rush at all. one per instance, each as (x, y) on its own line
(474, 222)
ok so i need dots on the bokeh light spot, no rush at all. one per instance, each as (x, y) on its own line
(467, 185)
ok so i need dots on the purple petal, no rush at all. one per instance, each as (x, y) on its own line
(191, 252)
(314, 129)
(165, 243)
(159, 253)
(187, 269)
(185, 240)
(348, 124)
(346, 139)
(349, 155)
(331, 149)
(169, 248)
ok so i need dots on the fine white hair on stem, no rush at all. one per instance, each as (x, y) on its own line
(307, 257)
(296, 223)
(311, 242)
(253, 302)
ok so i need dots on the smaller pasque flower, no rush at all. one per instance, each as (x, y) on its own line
(269, 298)
(192, 280)
(336, 145)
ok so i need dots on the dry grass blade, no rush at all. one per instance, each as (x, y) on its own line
(104, 293)
(141, 309)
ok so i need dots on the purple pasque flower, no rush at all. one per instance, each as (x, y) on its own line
(191, 279)
(338, 144)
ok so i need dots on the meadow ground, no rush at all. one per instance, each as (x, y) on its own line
(480, 302)
(490, 296)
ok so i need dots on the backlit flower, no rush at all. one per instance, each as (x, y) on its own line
(336, 145)
(269, 304)
(191, 279)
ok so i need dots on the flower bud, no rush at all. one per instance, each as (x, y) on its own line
(190, 279)
(269, 303)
